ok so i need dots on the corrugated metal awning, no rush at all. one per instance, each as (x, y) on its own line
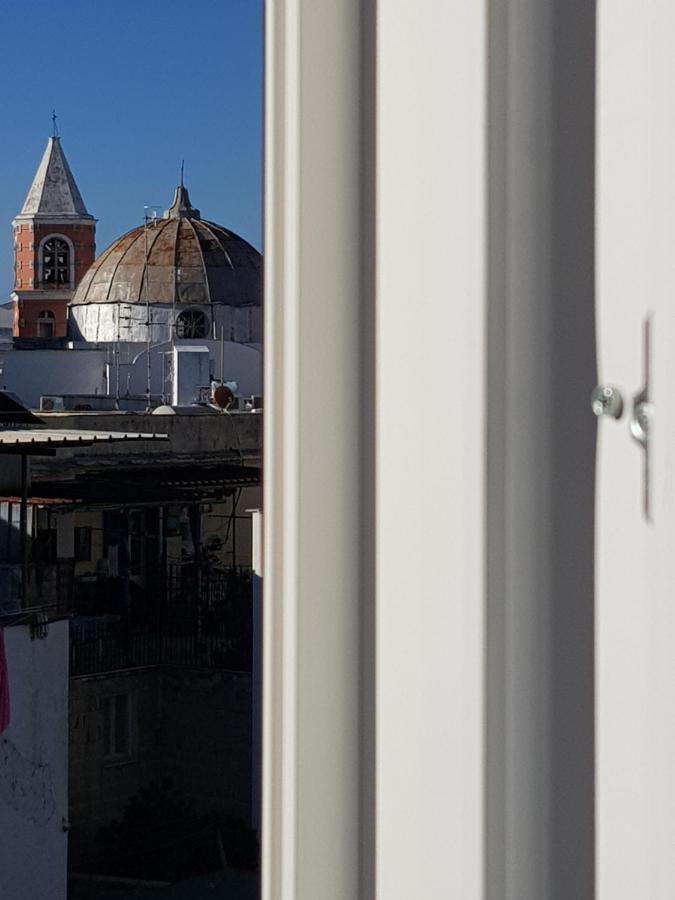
(36, 439)
(36, 501)
(158, 481)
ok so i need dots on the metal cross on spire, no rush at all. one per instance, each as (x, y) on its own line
(182, 167)
(55, 130)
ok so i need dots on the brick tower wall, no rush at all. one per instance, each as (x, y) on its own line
(27, 238)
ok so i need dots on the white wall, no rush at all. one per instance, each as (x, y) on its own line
(99, 321)
(34, 767)
(32, 373)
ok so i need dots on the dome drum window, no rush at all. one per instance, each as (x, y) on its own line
(192, 324)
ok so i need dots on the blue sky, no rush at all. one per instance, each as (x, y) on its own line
(137, 85)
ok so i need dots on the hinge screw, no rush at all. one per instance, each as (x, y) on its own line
(607, 401)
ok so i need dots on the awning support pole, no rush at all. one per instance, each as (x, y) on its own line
(23, 524)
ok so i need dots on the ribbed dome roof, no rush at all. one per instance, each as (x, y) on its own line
(189, 261)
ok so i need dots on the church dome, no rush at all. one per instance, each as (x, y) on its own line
(179, 260)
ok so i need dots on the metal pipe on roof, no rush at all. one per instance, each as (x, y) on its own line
(23, 524)
(148, 397)
(25, 439)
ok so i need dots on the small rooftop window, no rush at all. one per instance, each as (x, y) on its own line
(46, 322)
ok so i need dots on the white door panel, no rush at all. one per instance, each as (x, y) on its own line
(635, 586)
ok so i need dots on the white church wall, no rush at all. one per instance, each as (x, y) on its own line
(34, 766)
(32, 373)
(96, 322)
(86, 370)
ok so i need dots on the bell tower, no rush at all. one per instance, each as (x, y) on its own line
(54, 245)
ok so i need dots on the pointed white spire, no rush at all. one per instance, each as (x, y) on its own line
(54, 191)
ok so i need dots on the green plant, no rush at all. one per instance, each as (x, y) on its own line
(160, 837)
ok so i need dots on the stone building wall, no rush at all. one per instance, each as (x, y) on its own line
(206, 738)
(32, 297)
(100, 786)
(27, 238)
(191, 726)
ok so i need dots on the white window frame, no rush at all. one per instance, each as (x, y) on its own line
(113, 757)
(416, 490)
(361, 662)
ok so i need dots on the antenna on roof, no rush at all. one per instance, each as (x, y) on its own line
(182, 166)
(148, 317)
(55, 130)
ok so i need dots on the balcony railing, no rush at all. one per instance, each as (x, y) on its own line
(209, 626)
(48, 585)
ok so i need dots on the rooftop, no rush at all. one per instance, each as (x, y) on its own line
(17, 440)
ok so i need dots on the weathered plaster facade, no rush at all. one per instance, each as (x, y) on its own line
(34, 766)
(168, 708)
(112, 321)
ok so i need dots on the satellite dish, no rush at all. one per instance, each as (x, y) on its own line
(223, 396)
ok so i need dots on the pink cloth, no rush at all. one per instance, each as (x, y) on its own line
(4, 685)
